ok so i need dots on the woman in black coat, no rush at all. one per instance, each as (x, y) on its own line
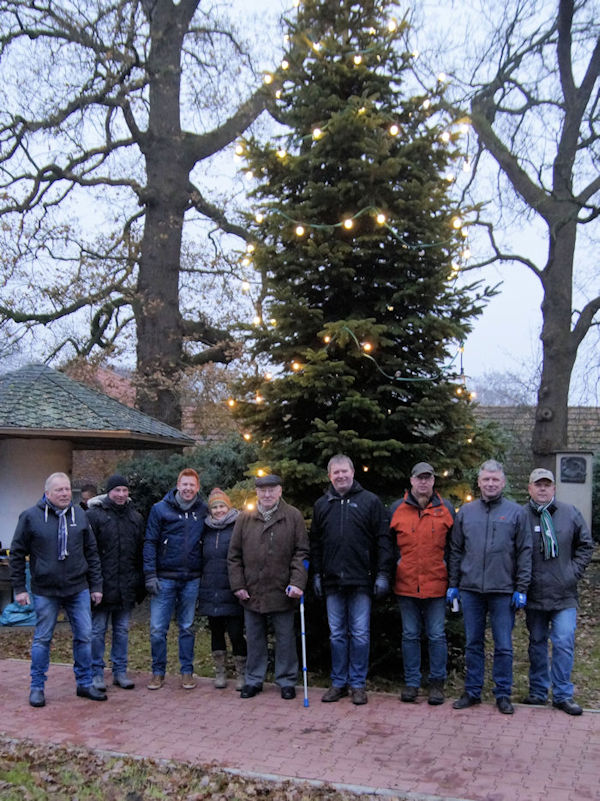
(225, 615)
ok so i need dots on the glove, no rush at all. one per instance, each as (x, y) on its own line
(452, 594)
(152, 586)
(519, 600)
(317, 586)
(382, 586)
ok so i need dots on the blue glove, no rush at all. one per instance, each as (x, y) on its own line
(452, 594)
(153, 586)
(382, 586)
(317, 586)
(519, 600)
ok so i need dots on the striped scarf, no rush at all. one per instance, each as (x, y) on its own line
(548, 541)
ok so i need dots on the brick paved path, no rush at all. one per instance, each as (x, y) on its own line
(426, 752)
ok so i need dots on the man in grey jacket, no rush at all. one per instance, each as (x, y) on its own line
(489, 571)
(562, 549)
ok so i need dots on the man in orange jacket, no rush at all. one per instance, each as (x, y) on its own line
(421, 522)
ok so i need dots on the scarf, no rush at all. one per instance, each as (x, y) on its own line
(267, 514)
(548, 541)
(211, 522)
(63, 533)
(185, 505)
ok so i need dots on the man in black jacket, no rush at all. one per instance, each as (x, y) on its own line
(119, 531)
(65, 572)
(352, 558)
(562, 549)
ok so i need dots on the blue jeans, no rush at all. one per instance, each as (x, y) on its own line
(560, 626)
(119, 618)
(79, 613)
(416, 613)
(286, 654)
(179, 596)
(476, 607)
(349, 617)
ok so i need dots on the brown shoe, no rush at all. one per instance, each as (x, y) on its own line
(359, 696)
(334, 694)
(156, 682)
(187, 681)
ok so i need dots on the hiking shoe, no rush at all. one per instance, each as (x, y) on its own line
(187, 681)
(465, 701)
(156, 682)
(436, 693)
(359, 696)
(90, 692)
(123, 681)
(334, 694)
(409, 694)
(534, 700)
(504, 705)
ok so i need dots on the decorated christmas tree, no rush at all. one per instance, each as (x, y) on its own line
(362, 320)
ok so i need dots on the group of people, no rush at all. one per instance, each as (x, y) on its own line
(246, 571)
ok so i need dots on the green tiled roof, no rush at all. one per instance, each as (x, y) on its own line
(39, 401)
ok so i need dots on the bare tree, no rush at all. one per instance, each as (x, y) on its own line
(109, 110)
(532, 101)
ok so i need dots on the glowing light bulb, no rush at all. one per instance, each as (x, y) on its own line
(317, 133)
(285, 64)
(250, 247)
(273, 322)
(256, 320)
(268, 78)
(469, 441)
(247, 436)
(455, 265)
(415, 54)
(445, 137)
(246, 262)
(426, 104)
(300, 230)
(245, 286)
(392, 25)
(362, 110)
(381, 218)
(442, 77)
(459, 390)
(457, 223)
(394, 130)
(327, 339)
(472, 395)
(466, 254)
(296, 366)
(365, 468)
(281, 153)
(348, 223)
(248, 175)
(249, 506)
(259, 398)
(357, 59)
(468, 498)
(259, 217)
(367, 347)
(278, 94)
(268, 376)
(260, 472)
(231, 403)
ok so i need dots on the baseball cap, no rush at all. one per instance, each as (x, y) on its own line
(539, 473)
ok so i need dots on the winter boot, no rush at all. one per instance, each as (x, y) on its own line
(220, 676)
(240, 672)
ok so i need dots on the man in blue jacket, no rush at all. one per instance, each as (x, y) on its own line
(489, 571)
(65, 572)
(352, 557)
(172, 570)
(562, 549)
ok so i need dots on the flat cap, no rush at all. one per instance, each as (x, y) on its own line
(267, 481)
(539, 473)
(422, 467)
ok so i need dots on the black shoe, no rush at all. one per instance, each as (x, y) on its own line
(436, 693)
(36, 698)
(466, 701)
(288, 693)
(569, 706)
(90, 692)
(409, 694)
(534, 700)
(250, 690)
(504, 705)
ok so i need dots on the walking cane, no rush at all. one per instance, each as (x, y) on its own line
(303, 637)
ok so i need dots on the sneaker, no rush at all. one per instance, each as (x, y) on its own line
(123, 681)
(156, 682)
(534, 700)
(465, 701)
(436, 693)
(334, 694)
(359, 696)
(504, 705)
(98, 683)
(187, 681)
(409, 694)
(569, 706)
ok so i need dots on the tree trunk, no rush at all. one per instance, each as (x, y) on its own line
(158, 318)
(559, 347)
